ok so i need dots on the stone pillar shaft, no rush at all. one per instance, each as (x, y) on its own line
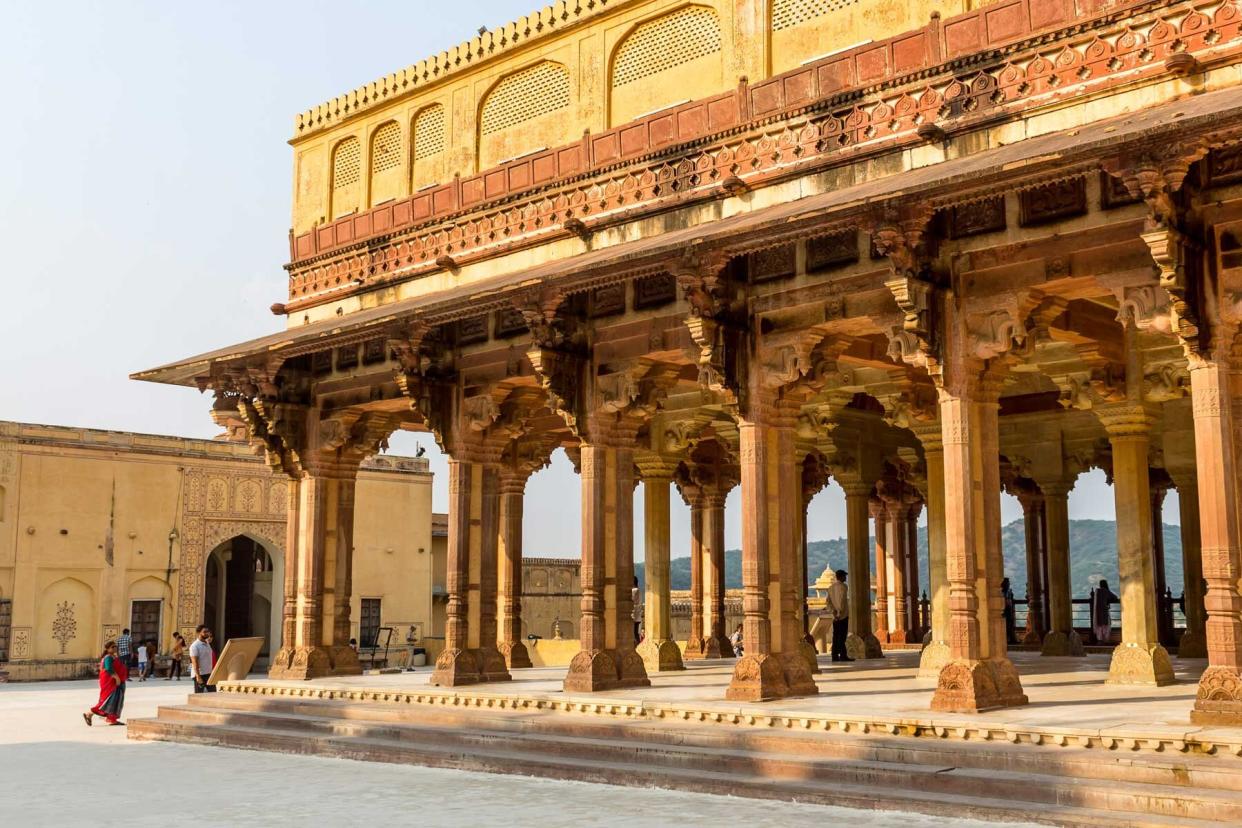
(1193, 643)
(696, 639)
(608, 659)
(509, 566)
(658, 649)
(1061, 638)
(861, 642)
(898, 540)
(1032, 522)
(936, 654)
(716, 637)
(881, 571)
(1219, 699)
(773, 665)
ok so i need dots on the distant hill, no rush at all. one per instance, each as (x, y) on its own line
(1093, 555)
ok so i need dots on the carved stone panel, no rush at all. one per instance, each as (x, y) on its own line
(984, 216)
(470, 331)
(1224, 166)
(1053, 201)
(608, 300)
(837, 249)
(1114, 193)
(773, 263)
(653, 291)
(509, 322)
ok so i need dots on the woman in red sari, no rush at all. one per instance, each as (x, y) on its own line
(112, 676)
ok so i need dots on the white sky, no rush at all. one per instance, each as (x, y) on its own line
(144, 207)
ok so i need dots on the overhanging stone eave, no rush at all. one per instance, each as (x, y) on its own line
(943, 183)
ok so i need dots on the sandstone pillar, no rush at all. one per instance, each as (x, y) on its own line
(509, 565)
(936, 654)
(608, 659)
(1139, 659)
(880, 513)
(773, 665)
(1032, 521)
(470, 653)
(979, 675)
(1219, 700)
(658, 650)
(716, 642)
(696, 640)
(913, 599)
(1193, 644)
(861, 642)
(898, 553)
(1061, 638)
(344, 657)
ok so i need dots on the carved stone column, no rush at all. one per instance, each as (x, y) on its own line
(1213, 388)
(608, 659)
(979, 675)
(509, 565)
(697, 638)
(658, 650)
(1193, 643)
(716, 642)
(861, 641)
(880, 513)
(936, 654)
(1032, 521)
(913, 602)
(1061, 638)
(773, 665)
(1139, 659)
(470, 653)
(897, 554)
(1164, 620)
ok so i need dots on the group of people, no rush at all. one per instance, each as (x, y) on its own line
(120, 655)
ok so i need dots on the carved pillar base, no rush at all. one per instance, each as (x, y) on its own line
(1057, 643)
(718, 646)
(897, 637)
(935, 655)
(807, 650)
(976, 686)
(455, 668)
(302, 663)
(1140, 664)
(660, 656)
(1219, 701)
(758, 678)
(1192, 645)
(280, 663)
(593, 671)
(882, 636)
(515, 654)
(696, 649)
(344, 661)
(859, 647)
(1031, 637)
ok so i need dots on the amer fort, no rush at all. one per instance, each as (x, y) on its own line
(931, 252)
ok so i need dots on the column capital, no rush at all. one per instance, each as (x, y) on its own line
(1127, 420)
(652, 466)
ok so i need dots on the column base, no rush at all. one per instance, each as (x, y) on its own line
(455, 668)
(515, 654)
(927, 639)
(1031, 638)
(1057, 643)
(860, 647)
(935, 655)
(897, 637)
(881, 635)
(593, 671)
(976, 686)
(807, 650)
(492, 666)
(1146, 664)
(696, 649)
(301, 663)
(1219, 701)
(1192, 645)
(344, 661)
(718, 646)
(660, 656)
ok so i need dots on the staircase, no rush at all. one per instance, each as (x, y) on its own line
(991, 781)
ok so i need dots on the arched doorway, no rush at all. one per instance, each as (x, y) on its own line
(243, 592)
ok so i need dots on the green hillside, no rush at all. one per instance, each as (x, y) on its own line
(1093, 555)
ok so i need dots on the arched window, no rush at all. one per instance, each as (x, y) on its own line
(386, 163)
(525, 112)
(429, 145)
(346, 177)
(665, 61)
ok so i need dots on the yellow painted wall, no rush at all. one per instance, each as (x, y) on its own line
(66, 490)
(586, 45)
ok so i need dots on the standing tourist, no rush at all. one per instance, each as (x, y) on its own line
(124, 645)
(736, 641)
(1011, 612)
(636, 613)
(201, 660)
(112, 676)
(175, 653)
(839, 608)
(1102, 600)
(143, 651)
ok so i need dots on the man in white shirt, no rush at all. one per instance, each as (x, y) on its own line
(839, 606)
(200, 660)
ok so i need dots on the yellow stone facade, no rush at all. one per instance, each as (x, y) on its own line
(97, 525)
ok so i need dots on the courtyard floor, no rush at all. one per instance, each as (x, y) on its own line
(56, 771)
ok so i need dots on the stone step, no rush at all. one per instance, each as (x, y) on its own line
(1200, 773)
(674, 754)
(498, 759)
